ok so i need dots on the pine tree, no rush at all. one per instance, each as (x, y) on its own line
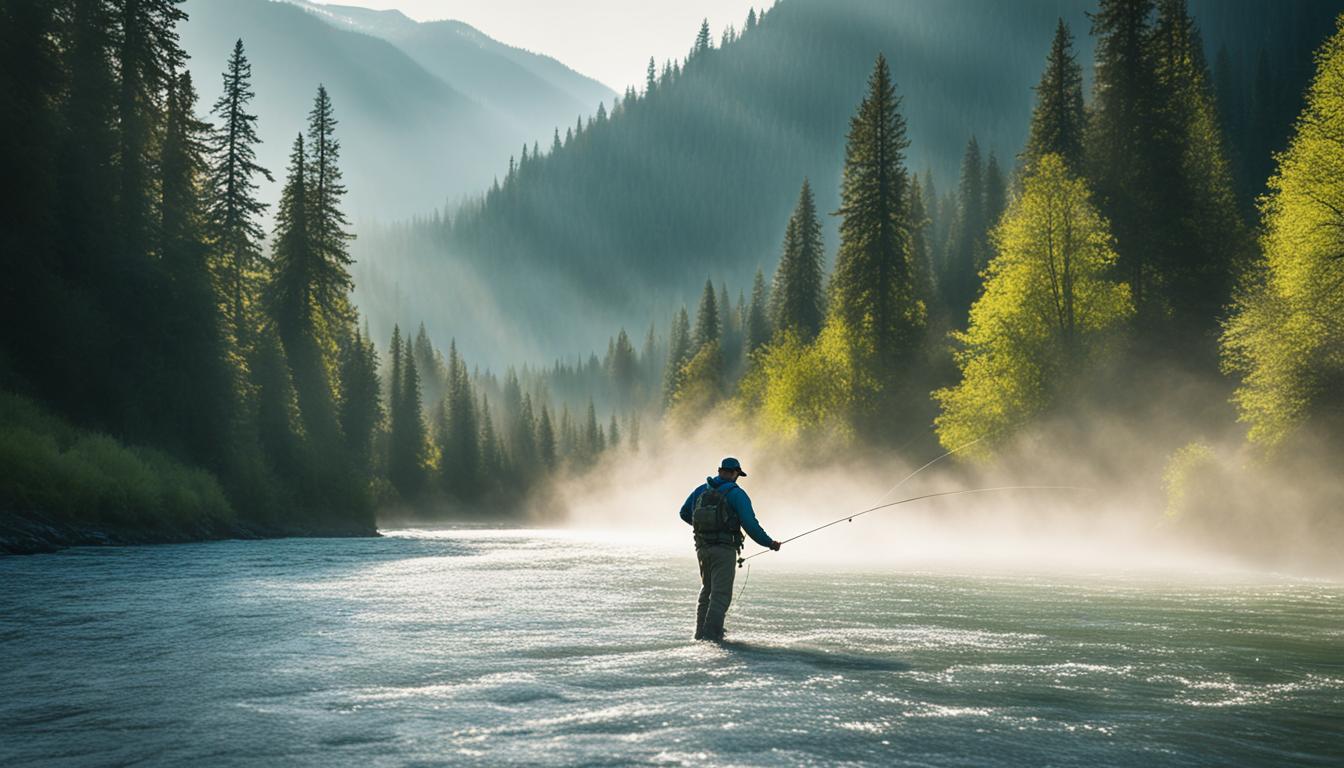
(757, 331)
(523, 442)
(996, 192)
(592, 439)
(546, 445)
(613, 433)
(1120, 155)
(148, 54)
(194, 396)
(797, 301)
(704, 41)
(967, 254)
(360, 403)
(678, 354)
(872, 288)
(459, 443)
(30, 81)
(1205, 247)
(491, 452)
(624, 369)
(406, 462)
(921, 259)
(327, 224)
(234, 209)
(707, 327)
(1058, 123)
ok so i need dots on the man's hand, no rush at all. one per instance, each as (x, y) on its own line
(775, 545)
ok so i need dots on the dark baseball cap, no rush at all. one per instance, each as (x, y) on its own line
(731, 463)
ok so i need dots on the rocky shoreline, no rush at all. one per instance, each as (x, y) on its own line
(29, 533)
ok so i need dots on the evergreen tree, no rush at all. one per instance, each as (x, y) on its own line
(491, 452)
(361, 403)
(797, 301)
(1058, 122)
(624, 369)
(872, 287)
(459, 443)
(30, 81)
(996, 192)
(406, 460)
(1206, 246)
(592, 439)
(707, 326)
(523, 442)
(613, 433)
(147, 56)
(921, 258)
(704, 41)
(326, 222)
(967, 254)
(234, 209)
(757, 321)
(1120, 155)
(194, 394)
(546, 444)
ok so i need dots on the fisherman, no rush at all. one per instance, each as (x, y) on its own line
(717, 512)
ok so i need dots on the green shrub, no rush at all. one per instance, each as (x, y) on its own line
(49, 467)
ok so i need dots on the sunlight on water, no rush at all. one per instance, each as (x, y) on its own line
(499, 647)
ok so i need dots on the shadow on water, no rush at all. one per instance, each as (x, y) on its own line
(815, 657)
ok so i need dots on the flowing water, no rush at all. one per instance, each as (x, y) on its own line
(477, 647)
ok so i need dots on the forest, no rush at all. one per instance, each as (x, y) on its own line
(184, 359)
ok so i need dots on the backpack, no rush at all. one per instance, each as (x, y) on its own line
(714, 520)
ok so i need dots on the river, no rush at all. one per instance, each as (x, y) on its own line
(527, 647)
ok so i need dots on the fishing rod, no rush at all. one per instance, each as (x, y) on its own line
(850, 518)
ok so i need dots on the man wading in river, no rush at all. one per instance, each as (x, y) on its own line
(718, 511)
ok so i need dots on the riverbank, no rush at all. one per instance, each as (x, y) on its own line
(28, 533)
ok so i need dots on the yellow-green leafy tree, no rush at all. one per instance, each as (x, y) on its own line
(1286, 337)
(1048, 309)
(797, 389)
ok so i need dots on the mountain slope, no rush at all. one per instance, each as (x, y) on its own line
(626, 220)
(531, 91)
(410, 139)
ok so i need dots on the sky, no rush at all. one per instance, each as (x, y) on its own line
(610, 40)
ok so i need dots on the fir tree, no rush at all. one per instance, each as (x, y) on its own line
(1119, 142)
(872, 287)
(707, 327)
(757, 331)
(704, 40)
(147, 56)
(797, 300)
(361, 403)
(967, 254)
(195, 399)
(234, 208)
(327, 224)
(996, 192)
(546, 445)
(406, 461)
(1058, 122)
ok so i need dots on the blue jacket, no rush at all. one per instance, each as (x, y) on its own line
(740, 502)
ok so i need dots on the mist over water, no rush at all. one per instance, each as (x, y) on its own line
(557, 647)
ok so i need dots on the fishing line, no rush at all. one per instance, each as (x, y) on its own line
(850, 518)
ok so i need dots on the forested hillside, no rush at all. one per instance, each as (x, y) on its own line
(692, 176)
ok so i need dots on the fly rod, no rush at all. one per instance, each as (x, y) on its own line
(850, 518)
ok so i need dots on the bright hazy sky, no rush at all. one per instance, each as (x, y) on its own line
(610, 40)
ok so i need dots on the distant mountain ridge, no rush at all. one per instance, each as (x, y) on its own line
(427, 112)
(623, 223)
